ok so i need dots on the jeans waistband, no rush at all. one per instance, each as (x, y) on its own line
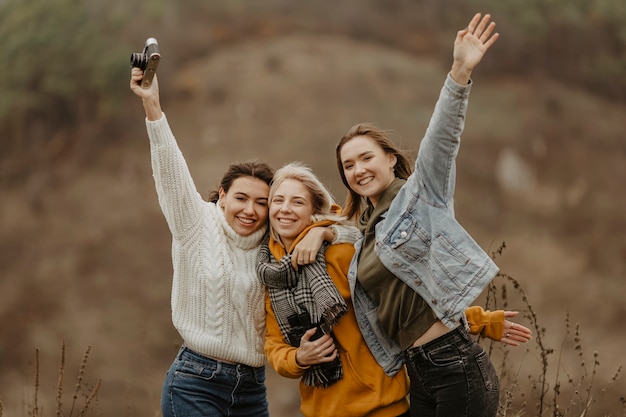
(458, 336)
(186, 353)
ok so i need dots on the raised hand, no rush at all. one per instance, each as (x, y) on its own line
(470, 46)
(149, 96)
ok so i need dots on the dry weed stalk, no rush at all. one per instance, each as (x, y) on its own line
(94, 391)
(60, 382)
(582, 398)
(89, 394)
(35, 410)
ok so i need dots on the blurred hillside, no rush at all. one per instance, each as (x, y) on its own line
(84, 249)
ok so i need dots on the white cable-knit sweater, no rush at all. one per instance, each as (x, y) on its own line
(218, 303)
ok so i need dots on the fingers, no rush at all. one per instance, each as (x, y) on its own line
(325, 348)
(483, 29)
(306, 258)
(321, 350)
(329, 358)
(308, 335)
(518, 329)
(509, 314)
(135, 76)
(514, 333)
(492, 39)
(471, 27)
(299, 257)
(514, 340)
(294, 262)
(477, 25)
(306, 250)
(484, 22)
(302, 257)
(486, 33)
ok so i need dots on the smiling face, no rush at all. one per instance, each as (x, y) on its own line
(245, 204)
(291, 209)
(367, 168)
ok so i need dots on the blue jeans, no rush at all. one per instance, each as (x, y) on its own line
(452, 376)
(197, 386)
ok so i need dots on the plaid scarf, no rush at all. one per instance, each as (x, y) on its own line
(302, 300)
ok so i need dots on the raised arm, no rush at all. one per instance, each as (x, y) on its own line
(178, 197)
(435, 166)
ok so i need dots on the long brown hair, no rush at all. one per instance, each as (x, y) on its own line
(255, 169)
(402, 169)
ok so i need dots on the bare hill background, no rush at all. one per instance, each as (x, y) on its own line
(85, 251)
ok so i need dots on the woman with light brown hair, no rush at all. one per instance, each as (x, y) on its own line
(416, 270)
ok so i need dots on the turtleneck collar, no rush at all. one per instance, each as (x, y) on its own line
(242, 242)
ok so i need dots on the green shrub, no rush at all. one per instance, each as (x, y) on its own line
(59, 68)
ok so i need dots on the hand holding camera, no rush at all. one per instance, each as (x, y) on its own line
(147, 61)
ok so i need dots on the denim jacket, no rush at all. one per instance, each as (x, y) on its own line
(420, 240)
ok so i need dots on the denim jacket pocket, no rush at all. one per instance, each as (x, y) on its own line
(409, 239)
(446, 268)
(448, 258)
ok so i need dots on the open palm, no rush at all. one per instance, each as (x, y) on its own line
(472, 42)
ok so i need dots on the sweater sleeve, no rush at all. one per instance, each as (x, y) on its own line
(179, 200)
(486, 323)
(344, 233)
(281, 355)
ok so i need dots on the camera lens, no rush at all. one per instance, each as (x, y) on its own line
(138, 60)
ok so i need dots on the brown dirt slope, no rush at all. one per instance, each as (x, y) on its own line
(85, 250)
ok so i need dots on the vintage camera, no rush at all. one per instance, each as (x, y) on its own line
(148, 61)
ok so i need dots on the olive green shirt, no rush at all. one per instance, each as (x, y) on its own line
(403, 314)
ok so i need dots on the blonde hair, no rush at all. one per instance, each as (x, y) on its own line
(321, 198)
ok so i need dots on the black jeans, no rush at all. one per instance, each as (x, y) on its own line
(452, 376)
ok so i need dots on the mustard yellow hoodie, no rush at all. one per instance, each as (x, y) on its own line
(365, 390)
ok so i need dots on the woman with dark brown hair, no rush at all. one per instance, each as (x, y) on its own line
(218, 302)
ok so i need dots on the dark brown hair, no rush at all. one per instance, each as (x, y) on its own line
(255, 169)
(402, 168)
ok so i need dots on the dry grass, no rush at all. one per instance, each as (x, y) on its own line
(553, 386)
(83, 393)
(536, 379)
